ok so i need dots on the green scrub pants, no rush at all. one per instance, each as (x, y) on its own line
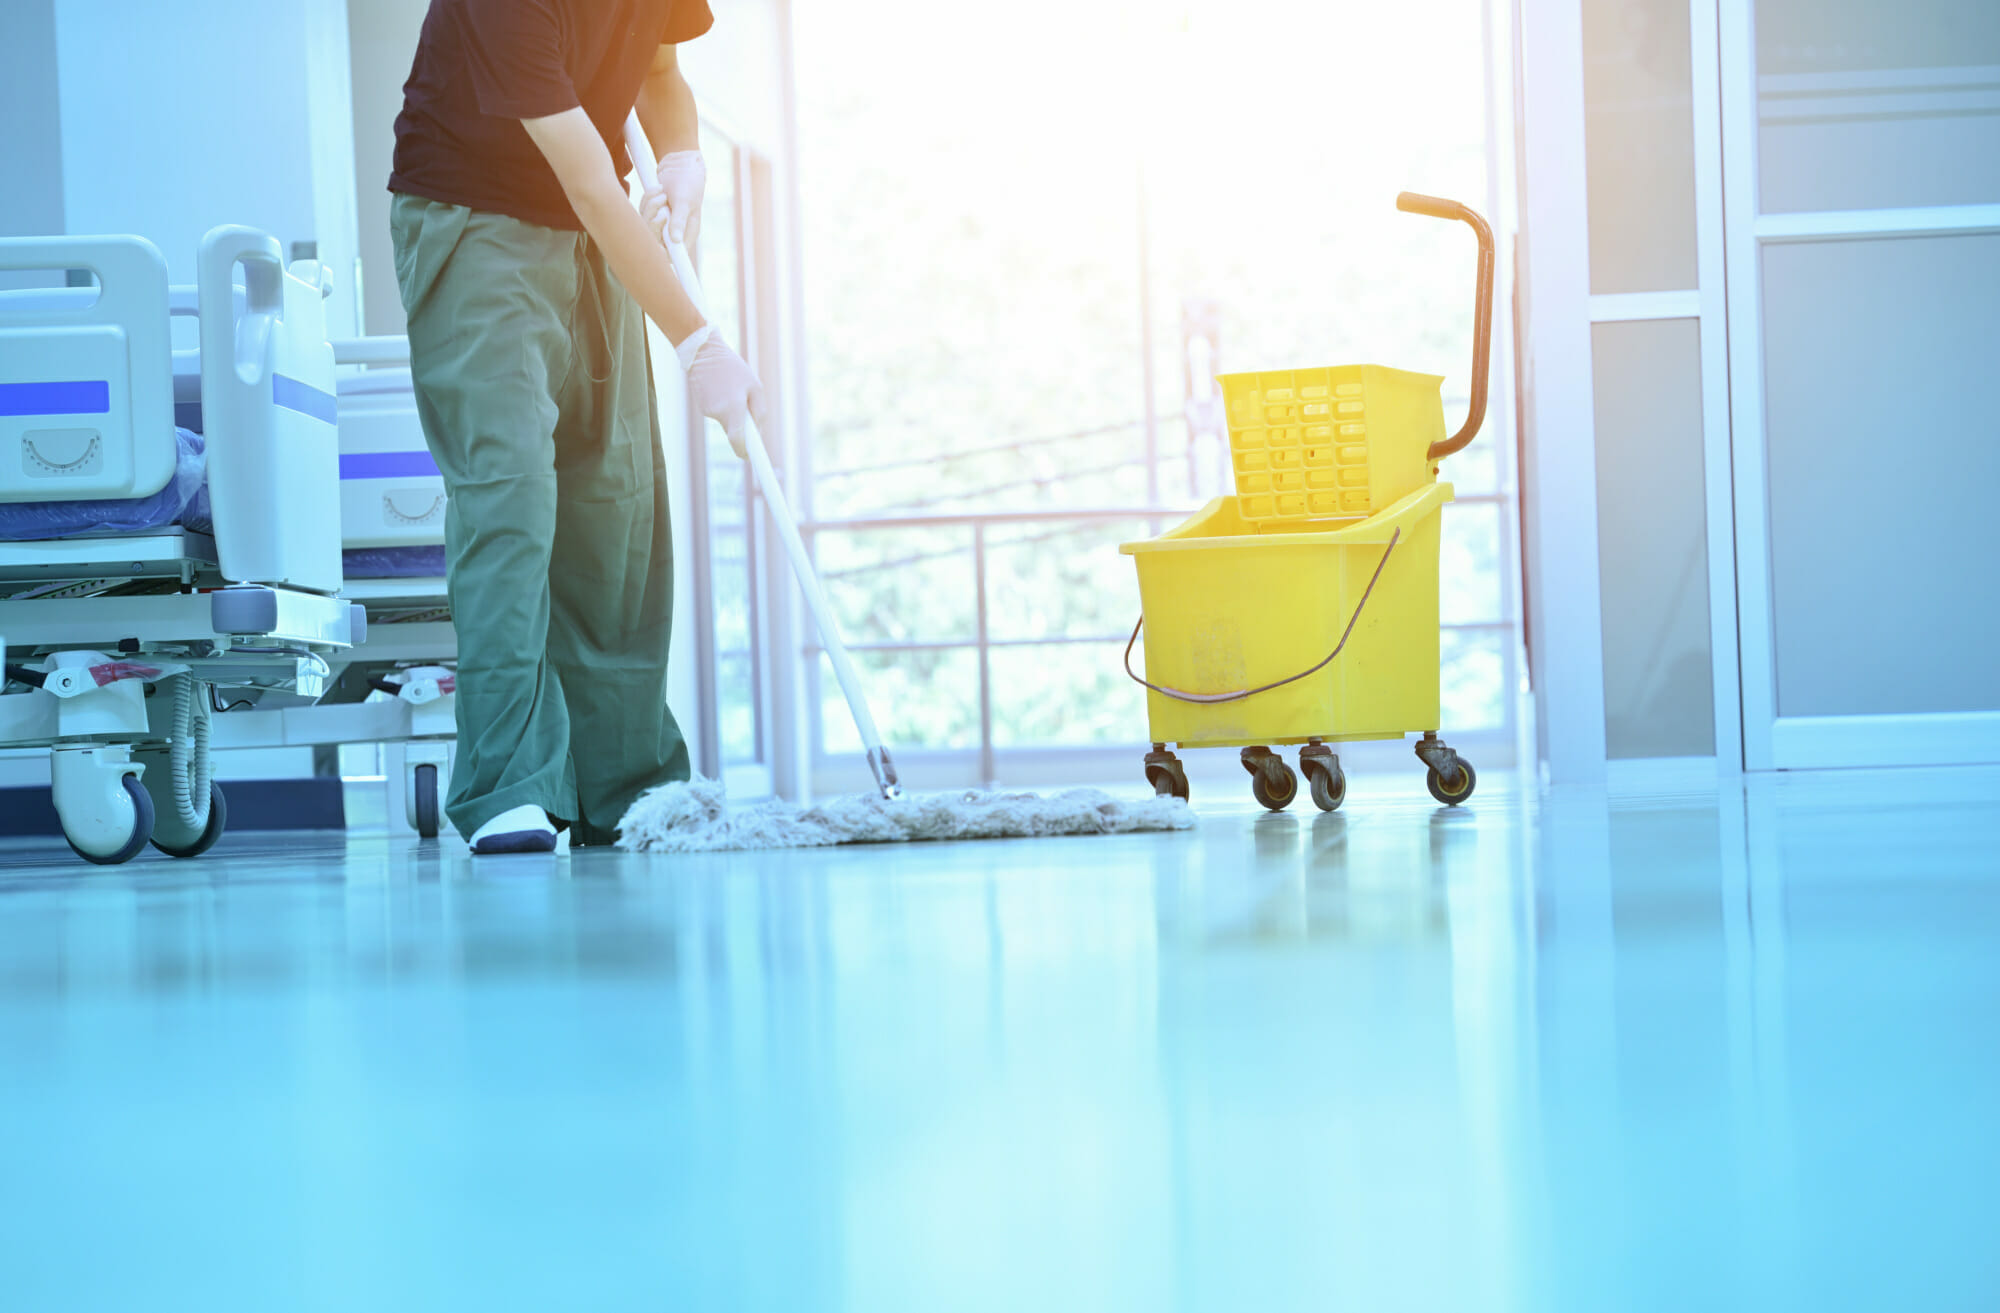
(536, 396)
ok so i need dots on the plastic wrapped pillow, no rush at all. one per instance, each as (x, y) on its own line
(393, 562)
(183, 498)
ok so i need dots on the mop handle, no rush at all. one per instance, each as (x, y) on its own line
(782, 518)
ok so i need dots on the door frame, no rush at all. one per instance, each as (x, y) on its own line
(1771, 741)
(1559, 471)
(751, 178)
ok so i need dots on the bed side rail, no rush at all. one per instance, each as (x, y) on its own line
(268, 406)
(86, 374)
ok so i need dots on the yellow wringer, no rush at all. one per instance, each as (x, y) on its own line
(1304, 609)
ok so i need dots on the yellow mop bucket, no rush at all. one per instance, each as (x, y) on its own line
(1304, 609)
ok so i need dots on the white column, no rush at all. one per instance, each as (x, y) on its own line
(1559, 474)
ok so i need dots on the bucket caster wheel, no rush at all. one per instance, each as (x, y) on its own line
(1275, 786)
(1453, 785)
(1166, 774)
(218, 821)
(114, 832)
(1451, 777)
(1272, 782)
(1326, 779)
(424, 798)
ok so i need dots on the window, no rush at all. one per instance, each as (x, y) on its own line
(1015, 297)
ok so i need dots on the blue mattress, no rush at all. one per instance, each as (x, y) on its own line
(393, 562)
(183, 501)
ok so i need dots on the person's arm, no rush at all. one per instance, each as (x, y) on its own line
(631, 247)
(666, 108)
(720, 384)
(674, 185)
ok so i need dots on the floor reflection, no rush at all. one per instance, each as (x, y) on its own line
(1560, 1051)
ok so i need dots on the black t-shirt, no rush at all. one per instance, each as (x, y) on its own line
(484, 65)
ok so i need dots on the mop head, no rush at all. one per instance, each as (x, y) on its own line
(692, 818)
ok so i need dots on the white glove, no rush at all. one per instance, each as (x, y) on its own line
(672, 201)
(723, 387)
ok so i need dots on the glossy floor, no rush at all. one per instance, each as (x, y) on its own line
(1734, 1048)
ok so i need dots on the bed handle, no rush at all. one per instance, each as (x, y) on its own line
(244, 343)
(371, 350)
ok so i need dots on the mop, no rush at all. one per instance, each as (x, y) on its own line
(694, 816)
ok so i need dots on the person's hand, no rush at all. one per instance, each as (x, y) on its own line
(672, 200)
(724, 388)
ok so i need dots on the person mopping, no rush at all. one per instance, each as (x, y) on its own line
(524, 271)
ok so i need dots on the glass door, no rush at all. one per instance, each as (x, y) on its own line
(1861, 158)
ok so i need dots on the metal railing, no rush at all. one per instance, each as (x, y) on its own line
(963, 453)
(933, 458)
(982, 642)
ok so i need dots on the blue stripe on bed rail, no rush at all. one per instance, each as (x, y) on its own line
(83, 396)
(388, 465)
(304, 398)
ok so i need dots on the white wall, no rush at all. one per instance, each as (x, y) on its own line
(178, 117)
(381, 40)
(31, 204)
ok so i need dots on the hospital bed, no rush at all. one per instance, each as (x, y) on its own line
(152, 575)
(397, 688)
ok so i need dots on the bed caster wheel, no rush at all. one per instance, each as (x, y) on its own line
(1272, 782)
(178, 844)
(424, 800)
(110, 828)
(1453, 785)
(420, 772)
(1327, 781)
(1166, 774)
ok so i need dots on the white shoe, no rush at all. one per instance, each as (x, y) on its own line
(523, 829)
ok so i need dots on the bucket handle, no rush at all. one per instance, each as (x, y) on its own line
(1482, 323)
(1238, 695)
